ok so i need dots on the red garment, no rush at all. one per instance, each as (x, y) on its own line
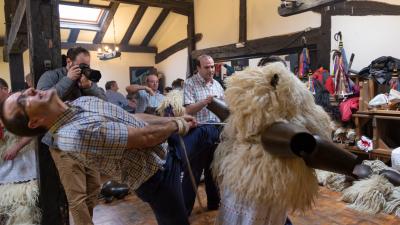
(319, 75)
(346, 108)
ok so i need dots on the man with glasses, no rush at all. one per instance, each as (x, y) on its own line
(130, 147)
(148, 97)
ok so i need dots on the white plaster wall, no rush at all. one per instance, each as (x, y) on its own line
(263, 20)
(5, 68)
(218, 21)
(174, 66)
(368, 37)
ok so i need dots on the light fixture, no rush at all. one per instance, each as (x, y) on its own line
(106, 52)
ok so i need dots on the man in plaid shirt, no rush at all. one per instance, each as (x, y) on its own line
(128, 147)
(199, 90)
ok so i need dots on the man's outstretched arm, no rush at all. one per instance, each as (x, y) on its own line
(151, 135)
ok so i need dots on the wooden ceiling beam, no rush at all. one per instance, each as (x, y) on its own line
(301, 6)
(17, 19)
(84, 5)
(153, 30)
(122, 48)
(263, 46)
(134, 24)
(110, 16)
(73, 35)
(180, 7)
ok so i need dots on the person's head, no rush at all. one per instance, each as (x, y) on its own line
(178, 83)
(205, 67)
(29, 80)
(112, 85)
(76, 56)
(29, 112)
(152, 82)
(3, 90)
(271, 59)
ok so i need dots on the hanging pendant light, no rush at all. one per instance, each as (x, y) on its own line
(106, 52)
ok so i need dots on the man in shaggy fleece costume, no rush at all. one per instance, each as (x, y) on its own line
(257, 187)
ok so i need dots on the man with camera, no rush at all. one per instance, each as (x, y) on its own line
(81, 182)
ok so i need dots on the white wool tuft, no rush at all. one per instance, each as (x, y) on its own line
(18, 202)
(368, 195)
(174, 99)
(241, 164)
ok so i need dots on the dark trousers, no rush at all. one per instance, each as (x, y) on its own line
(163, 191)
(200, 159)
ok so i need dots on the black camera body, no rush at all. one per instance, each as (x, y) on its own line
(90, 74)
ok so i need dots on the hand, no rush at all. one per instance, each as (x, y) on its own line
(150, 91)
(208, 100)
(84, 83)
(74, 73)
(192, 122)
(10, 154)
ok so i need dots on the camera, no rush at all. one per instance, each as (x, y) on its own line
(90, 74)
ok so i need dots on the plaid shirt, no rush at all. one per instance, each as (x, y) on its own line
(196, 89)
(98, 130)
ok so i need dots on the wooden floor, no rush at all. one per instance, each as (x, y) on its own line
(328, 211)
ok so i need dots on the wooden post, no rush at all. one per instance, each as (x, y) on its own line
(324, 42)
(191, 42)
(16, 65)
(243, 21)
(45, 53)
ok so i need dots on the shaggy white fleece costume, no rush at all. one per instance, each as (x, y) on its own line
(371, 195)
(259, 188)
(19, 190)
(173, 99)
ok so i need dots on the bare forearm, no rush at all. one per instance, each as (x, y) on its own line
(194, 108)
(22, 143)
(149, 136)
(151, 119)
(134, 88)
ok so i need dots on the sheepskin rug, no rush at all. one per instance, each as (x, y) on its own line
(257, 98)
(372, 195)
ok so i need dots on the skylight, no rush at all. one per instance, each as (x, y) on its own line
(87, 18)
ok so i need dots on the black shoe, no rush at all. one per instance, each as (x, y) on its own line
(114, 189)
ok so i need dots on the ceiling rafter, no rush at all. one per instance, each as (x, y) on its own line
(181, 7)
(110, 16)
(123, 48)
(73, 35)
(157, 24)
(134, 24)
(84, 5)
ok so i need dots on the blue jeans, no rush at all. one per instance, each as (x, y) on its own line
(163, 191)
(200, 161)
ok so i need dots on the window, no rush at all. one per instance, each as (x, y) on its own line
(86, 18)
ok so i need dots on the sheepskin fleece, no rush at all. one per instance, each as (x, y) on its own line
(174, 99)
(372, 195)
(240, 162)
(18, 203)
